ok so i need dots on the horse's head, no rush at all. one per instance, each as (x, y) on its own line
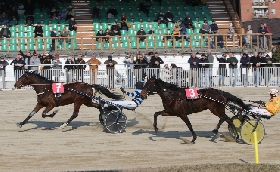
(147, 87)
(23, 80)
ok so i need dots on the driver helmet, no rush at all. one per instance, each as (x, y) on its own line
(273, 92)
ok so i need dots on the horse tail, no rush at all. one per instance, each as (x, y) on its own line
(232, 98)
(103, 90)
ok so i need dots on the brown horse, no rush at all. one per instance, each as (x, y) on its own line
(46, 98)
(175, 103)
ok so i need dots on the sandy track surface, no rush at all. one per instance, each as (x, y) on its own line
(84, 145)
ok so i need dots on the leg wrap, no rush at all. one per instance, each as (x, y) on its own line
(32, 113)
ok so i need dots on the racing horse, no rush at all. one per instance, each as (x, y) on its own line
(175, 103)
(46, 98)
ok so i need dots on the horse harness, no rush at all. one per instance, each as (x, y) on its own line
(56, 95)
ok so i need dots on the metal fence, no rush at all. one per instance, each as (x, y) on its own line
(116, 78)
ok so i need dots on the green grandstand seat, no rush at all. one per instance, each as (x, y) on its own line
(61, 26)
(62, 22)
(104, 26)
(150, 38)
(177, 44)
(133, 45)
(151, 44)
(21, 28)
(96, 26)
(186, 44)
(98, 45)
(132, 38)
(159, 44)
(22, 41)
(13, 41)
(189, 8)
(131, 32)
(196, 31)
(39, 46)
(54, 21)
(189, 31)
(48, 47)
(30, 40)
(46, 27)
(155, 25)
(22, 46)
(165, 31)
(30, 34)
(106, 45)
(168, 44)
(20, 34)
(46, 22)
(4, 47)
(29, 28)
(123, 32)
(13, 22)
(146, 26)
(54, 26)
(48, 41)
(72, 33)
(136, 26)
(124, 45)
(46, 33)
(158, 38)
(157, 32)
(162, 26)
(39, 40)
(124, 38)
(30, 46)
(13, 47)
(170, 25)
(115, 39)
(205, 8)
(13, 28)
(115, 45)
(142, 45)
(21, 22)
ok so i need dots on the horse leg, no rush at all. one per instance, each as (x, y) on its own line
(74, 115)
(162, 113)
(36, 109)
(188, 123)
(216, 130)
(155, 119)
(49, 108)
(228, 120)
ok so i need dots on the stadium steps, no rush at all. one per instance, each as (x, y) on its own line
(83, 12)
(84, 21)
(221, 15)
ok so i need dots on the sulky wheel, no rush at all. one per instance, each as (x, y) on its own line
(237, 121)
(247, 131)
(102, 116)
(115, 121)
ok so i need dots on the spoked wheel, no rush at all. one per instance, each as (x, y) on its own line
(102, 115)
(115, 121)
(101, 118)
(247, 131)
(237, 121)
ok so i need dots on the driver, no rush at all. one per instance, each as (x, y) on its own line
(273, 106)
(136, 94)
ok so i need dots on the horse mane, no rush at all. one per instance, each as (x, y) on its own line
(103, 90)
(170, 86)
(34, 73)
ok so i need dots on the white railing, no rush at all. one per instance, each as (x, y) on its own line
(116, 78)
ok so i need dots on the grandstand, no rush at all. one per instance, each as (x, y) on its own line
(22, 36)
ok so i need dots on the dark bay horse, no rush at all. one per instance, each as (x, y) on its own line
(46, 98)
(175, 103)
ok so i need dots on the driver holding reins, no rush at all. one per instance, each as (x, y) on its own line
(136, 94)
(273, 106)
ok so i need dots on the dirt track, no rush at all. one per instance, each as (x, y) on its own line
(83, 145)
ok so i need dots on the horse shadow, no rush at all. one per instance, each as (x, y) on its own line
(55, 125)
(176, 134)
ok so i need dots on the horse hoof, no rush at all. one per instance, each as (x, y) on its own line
(19, 125)
(215, 131)
(55, 111)
(63, 125)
